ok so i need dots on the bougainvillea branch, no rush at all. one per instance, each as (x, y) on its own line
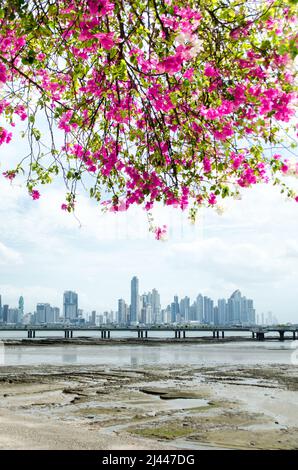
(172, 101)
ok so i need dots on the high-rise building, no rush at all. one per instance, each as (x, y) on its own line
(44, 313)
(122, 312)
(56, 314)
(155, 303)
(234, 308)
(1, 316)
(199, 309)
(208, 311)
(240, 310)
(222, 311)
(134, 301)
(251, 312)
(93, 318)
(70, 306)
(184, 309)
(21, 307)
(216, 315)
(5, 313)
(13, 315)
(175, 310)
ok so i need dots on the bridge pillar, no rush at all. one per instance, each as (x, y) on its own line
(109, 334)
(217, 334)
(176, 334)
(281, 335)
(213, 334)
(253, 334)
(146, 334)
(222, 334)
(184, 334)
(29, 334)
(71, 334)
(33, 333)
(260, 336)
(294, 335)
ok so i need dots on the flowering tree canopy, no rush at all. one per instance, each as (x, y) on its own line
(176, 101)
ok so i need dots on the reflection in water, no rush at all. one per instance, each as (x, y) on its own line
(69, 357)
(133, 360)
(140, 355)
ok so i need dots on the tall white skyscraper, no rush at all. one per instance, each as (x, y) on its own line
(134, 301)
(155, 299)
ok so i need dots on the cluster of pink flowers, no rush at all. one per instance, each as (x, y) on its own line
(146, 110)
(5, 136)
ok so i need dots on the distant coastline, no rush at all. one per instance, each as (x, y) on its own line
(90, 341)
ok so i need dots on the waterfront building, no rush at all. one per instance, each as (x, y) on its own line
(43, 313)
(155, 303)
(21, 307)
(199, 309)
(122, 312)
(184, 308)
(70, 306)
(5, 313)
(208, 314)
(13, 315)
(222, 311)
(134, 301)
(93, 318)
(175, 310)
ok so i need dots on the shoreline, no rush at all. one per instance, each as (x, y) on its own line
(89, 341)
(165, 407)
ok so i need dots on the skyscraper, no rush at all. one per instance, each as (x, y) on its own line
(122, 312)
(5, 313)
(199, 308)
(184, 309)
(134, 301)
(222, 311)
(1, 316)
(70, 306)
(21, 307)
(43, 313)
(155, 302)
(208, 311)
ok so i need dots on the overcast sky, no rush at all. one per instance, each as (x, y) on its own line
(253, 247)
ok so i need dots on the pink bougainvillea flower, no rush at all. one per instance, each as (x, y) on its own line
(35, 194)
(160, 232)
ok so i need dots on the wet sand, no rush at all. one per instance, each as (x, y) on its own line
(94, 407)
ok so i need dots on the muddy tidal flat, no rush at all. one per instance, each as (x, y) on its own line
(146, 407)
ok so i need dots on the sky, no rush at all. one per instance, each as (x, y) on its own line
(252, 246)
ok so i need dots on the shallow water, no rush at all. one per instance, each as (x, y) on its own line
(267, 352)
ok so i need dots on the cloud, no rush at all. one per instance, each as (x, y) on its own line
(8, 256)
(252, 246)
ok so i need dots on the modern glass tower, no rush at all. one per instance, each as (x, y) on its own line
(70, 305)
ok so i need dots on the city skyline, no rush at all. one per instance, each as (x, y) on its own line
(144, 308)
(252, 246)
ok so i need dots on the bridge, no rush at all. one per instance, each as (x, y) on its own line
(143, 332)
